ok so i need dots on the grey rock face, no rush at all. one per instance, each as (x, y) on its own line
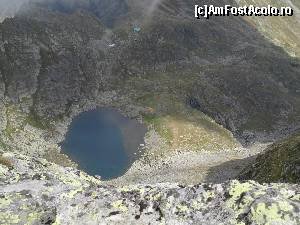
(108, 11)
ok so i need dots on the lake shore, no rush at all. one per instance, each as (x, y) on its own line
(190, 167)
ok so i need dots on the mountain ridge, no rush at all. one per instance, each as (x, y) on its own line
(209, 52)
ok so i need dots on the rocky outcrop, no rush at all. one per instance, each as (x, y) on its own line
(34, 191)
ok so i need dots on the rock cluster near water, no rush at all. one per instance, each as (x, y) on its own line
(38, 192)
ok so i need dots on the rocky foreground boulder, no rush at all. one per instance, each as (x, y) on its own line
(34, 191)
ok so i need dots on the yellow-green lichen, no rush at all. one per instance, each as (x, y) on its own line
(238, 203)
(258, 193)
(155, 197)
(238, 188)
(124, 189)
(285, 206)
(72, 193)
(168, 205)
(287, 193)
(263, 214)
(163, 221)
(33, 218)
(89, 178)
(73, 181)
(197, 204)
(182, 208)
(235, 191)
(3, 170)
(119, 205)
(9, 218)
(4, 202)
(57, 221)
(142, 191)
(295, 197)
(208, 195)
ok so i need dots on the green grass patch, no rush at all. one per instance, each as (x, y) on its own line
(14, 119)
(10, 130)
(279, 163)
(34, 120)
(158, 125)
(169, 114)
(3, 145)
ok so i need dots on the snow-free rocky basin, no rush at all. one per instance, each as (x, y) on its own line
(103, 142)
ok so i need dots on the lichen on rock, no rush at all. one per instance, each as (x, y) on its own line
(46, 193)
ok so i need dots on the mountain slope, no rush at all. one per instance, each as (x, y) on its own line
(283, 31)
(279, 163)
(191, 81)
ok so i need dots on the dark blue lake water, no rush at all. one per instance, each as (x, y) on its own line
(103, 142)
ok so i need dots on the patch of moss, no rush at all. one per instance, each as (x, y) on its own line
(10, 130)
(3, 145)
(15, 120)
(34, 120)
(158, 125)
